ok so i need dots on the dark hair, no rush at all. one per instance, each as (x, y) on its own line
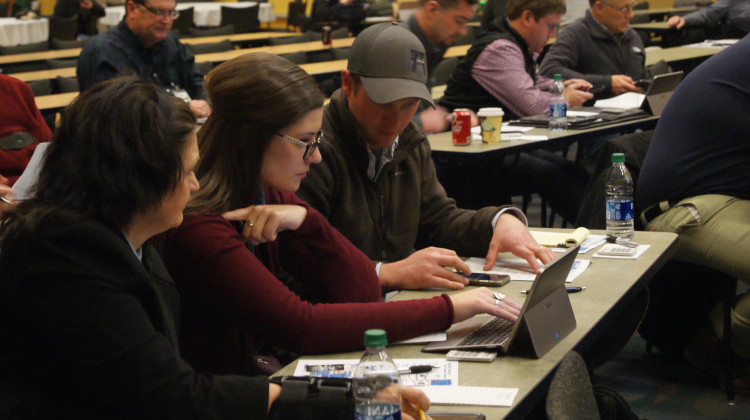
(538, 8)
(252, 98)
(117, 153)
(448, 4)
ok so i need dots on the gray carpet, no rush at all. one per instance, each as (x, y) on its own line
(660, 388)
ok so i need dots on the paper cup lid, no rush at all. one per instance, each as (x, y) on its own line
(490, 112)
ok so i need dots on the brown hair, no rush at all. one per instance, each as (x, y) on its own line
(252, 97)
(538, 8)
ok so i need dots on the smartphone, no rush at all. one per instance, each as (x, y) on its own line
(489, 280)
(456, 416)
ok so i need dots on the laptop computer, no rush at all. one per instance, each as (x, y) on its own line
(546, 317)
(655, 99)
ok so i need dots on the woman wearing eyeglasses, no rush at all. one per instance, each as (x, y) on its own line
(255, 149)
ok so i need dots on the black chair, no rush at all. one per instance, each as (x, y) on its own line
(221, 30)
(298, 57)
(243, 19)
(63, 28)
(660, 67)
(342, 32)
(640, 18)
(340, 53)
(61, 63)
(571, 395)
(203, 68)
(27, 48)
(296, 17)
(213, 47)
(67, 84)
(319, 56)
(41, 87)
(184, 22)
(288, 40)
(443, 71)
(61, 44)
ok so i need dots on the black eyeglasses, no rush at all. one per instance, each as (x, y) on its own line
(161, 13)
(309, 146)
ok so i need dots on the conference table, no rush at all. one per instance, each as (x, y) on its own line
(442, 143)
(204, 14)
(611, 284)
(75, 52)
(15, 32)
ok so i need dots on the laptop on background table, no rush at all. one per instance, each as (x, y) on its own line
(657, 95)
(546, 317)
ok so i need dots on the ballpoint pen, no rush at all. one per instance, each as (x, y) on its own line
(622, 241)
(570, 289)
(5, 200)
(415, 369)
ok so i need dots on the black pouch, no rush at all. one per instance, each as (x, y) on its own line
(307, 398)
(16, 141)
(612, 405)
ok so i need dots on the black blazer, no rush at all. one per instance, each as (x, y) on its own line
(89, 331)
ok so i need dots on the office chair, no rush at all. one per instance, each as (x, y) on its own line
(67, 84)
(184, 22)
(61, 63)
(63, 44)
(571, 395)
(443, 71)
(221, 30)
(296, 17)
(211, 47)
(243, 19)
(63, 28)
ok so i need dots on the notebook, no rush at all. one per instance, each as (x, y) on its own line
(546, 318)
(651, 103)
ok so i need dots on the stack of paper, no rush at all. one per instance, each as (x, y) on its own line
(560, 239)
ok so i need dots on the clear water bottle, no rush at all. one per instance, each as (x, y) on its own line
(558, 106)
(619, 186)
(377, 393)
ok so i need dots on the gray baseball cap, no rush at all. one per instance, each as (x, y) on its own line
(391, 62)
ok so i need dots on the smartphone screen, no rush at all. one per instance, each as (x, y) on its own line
(484, 279)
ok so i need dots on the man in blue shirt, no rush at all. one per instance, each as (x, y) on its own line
(142, 44)
(734, 16)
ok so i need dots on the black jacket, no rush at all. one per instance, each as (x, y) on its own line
(88, 331)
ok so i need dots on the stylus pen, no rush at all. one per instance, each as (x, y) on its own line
(571, 289)
(415, 369)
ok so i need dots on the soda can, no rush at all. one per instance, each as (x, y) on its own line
(327, 35)
(461, 125)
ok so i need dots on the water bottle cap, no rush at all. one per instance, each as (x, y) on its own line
(375, 338)
(618, 157)
(557, 76)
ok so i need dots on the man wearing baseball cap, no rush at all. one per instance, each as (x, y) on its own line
(377, 183)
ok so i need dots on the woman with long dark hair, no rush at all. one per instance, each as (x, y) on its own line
(88, 314)
(255, 148)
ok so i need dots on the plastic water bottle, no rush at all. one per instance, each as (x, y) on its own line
(619, 186)
(558, 106)
(377, 393)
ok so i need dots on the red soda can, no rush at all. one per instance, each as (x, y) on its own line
(461, 124)
(327, 35)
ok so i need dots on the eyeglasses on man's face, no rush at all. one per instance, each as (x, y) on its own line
(309, 146)
(160, 13)
(623, 10)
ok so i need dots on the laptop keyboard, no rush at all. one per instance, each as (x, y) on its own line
(492, 332)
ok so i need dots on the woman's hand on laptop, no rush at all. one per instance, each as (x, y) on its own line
(480, 301)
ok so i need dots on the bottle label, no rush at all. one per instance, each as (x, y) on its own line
(557, 110)
(620, 211)
(378, 411)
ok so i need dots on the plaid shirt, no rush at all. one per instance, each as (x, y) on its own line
(118, 51)
(500, 70)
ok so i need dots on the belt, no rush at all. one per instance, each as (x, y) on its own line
(655, 210)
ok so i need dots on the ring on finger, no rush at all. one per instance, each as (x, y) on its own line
(499, 296)
(497, 302)
(249, 223)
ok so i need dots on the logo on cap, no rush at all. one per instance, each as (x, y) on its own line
(418, 59)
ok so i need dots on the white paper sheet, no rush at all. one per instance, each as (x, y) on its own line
(520, 270)
(444, 373)
(471, 395)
